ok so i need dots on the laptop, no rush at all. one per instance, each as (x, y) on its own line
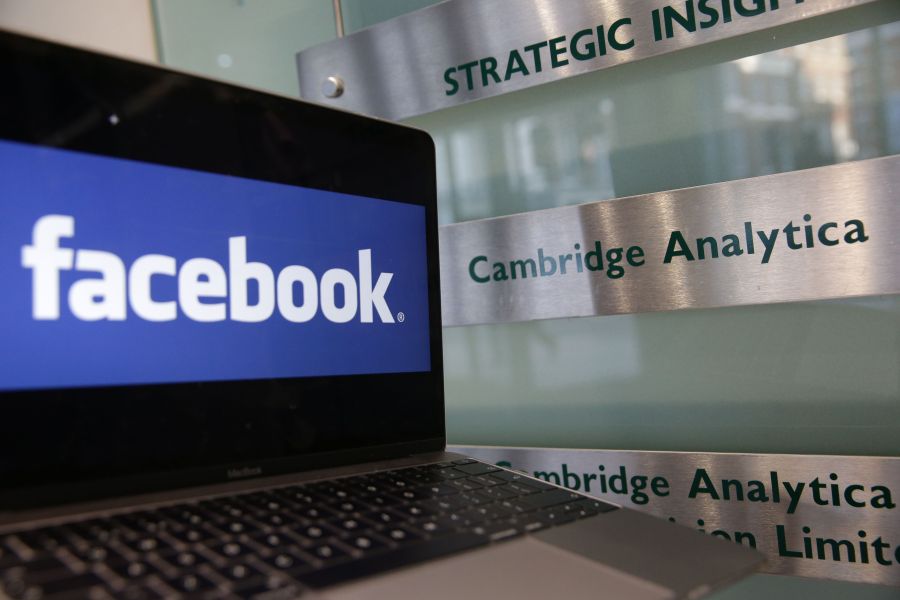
(220, 368)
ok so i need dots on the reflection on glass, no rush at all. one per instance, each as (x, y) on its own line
(815, 377)
(821, 103)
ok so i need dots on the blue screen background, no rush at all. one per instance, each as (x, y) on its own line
(131, 209)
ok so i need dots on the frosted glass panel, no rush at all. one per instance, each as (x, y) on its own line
(671, 123)
(359, 14)
(251, 42)
(819, 377)
(810, 378)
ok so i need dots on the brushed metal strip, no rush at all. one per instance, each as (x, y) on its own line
(402, 67)
(737, 215)
(777, 529)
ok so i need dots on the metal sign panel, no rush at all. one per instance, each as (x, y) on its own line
(833, 517)
(821, 233)
(463, 50)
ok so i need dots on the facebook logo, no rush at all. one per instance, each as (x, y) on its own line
(119, 272)
(93, 299)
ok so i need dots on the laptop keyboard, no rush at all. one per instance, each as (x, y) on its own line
(275, 543)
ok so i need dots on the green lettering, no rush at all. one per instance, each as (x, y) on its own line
(613, 40)
(848, 496)
(500, 272)
(448, 77)
(556, 51)
(535, 50)
(756, 491)
(688, 21)
(547, 476)
(708, 11)
(835, 546)
(515, 65)
(702, 484)
(713, 247)
(468, 69)
(613, 257)
(489, 67)
(635, 256)
(782, 544)
(858, 229)
(768, 242)
(759, 7)
(676, 240)
(732, 245)
(548, 263)
(825, 240)
(475, 277)
(596, 253)
(883, 499)
(728, 485)
(528, 262)
(589, 52)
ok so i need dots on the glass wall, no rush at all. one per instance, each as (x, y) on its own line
(816, 377)
(812, 378)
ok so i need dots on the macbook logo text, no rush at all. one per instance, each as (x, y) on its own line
(204, 285)
(241, 472)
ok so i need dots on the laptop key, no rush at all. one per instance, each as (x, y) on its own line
(346, 507)
(391, 559)
(385, 517)
(230, 550)
(464, 484)
(131, 570)
(499, 492)
(76, 586)
(522, 489)
(498, 530)
(185, 560)
(441, 489)
(473, 516)
(365, 543)
(145, 544)
(401, 535)
(190, 583)
(475, 498)
(415, 511)
(522, 479)
(317, 512)
(436, 526)
(239, 571)
(192, 535)
(555, 515)
(382, 501)
(45, 564)
(139, 592)
(476, 468)
(549, 498)
(287, 561)
(328, 552)
(349, 526)
(271, 540)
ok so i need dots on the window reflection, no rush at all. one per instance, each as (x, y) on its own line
(829, 101)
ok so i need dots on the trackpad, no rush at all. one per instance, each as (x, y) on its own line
(524, 568)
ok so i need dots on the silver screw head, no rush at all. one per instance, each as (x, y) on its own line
(333, 87)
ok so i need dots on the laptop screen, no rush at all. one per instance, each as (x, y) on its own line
(201, 281)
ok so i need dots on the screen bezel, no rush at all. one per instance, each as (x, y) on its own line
(354, 154)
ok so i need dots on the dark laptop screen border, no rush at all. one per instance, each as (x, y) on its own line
(66, 445)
